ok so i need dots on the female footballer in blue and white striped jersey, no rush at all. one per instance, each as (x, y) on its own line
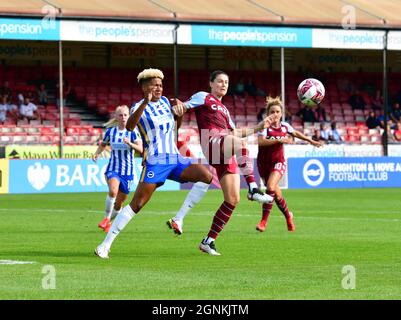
(120, 169)
(156, 127)
(154, 117)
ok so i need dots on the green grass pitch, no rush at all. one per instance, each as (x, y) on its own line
(334, 228)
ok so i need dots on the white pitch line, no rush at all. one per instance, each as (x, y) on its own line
(210, 213)
(13, 262)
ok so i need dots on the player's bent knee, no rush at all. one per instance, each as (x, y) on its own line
(137, 206)
(208, 178)
(270, 188)
(113, 194)
(234, 200)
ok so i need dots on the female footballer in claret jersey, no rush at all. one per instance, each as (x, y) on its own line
(225, 150)
(271, 162)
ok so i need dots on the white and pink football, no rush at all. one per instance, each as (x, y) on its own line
(311, 92)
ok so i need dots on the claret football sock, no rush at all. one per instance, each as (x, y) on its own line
(282, 205)
(220, 219)
(245, 165)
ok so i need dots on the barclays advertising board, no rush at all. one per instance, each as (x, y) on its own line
(53, 176)
(374, 172)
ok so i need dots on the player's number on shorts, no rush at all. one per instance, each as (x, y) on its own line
(130, 182)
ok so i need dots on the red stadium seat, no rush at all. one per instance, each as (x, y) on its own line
(72, 131)
(85, 140)
(352, 131)
(47, 130)
(47, 139)
(352, 138)
(71, 140)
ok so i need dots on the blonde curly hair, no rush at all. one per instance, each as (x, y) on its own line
(149, 74)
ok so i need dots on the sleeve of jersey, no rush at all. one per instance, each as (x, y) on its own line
(290, 129)
(166, 101)
(263, 133)
(231, 122)
(134, 107)
(135, 135)
(106, 137)
(197, 100)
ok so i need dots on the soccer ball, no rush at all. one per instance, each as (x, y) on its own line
(311, 92)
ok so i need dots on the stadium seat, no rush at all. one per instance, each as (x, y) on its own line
(19, 139)
(376, 139)
(352, 131)
(32, 139)
(47, 130)
(363, 130)
(71, 140)
(72, 131)
(46, 139)
(5, 139)
(85, 140)
(34, 131)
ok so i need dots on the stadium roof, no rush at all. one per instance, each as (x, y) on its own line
(368, 13)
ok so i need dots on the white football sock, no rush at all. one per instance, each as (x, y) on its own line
(121, 221)
(253, 185)
(209, 240)
(109, 206)
(195, 195)
(114, 213)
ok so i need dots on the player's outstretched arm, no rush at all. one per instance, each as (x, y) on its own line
(244, 132)
(301, 136)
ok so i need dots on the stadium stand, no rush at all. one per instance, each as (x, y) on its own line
(99, 90)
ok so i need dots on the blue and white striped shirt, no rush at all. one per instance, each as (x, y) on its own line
(156, 127)
(122, 155)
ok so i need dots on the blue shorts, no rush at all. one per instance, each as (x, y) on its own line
(159, 172)
(125, 181)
